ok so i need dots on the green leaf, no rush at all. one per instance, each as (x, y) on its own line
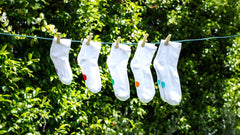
(3, 48)
(41, 15)
(29, 56)
(16, 79)
(29, 20)
(3, 132)
(2, 125)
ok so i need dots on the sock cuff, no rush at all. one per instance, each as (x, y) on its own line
(144, 55)
(148, 45)
(96, 45)
(123, 47)
(151, 48)
(60, 50)
(172, 49)
(64, 42)
(119, 55)
(91, 51)
(173, 45)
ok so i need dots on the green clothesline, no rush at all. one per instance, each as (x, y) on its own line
(78, 41)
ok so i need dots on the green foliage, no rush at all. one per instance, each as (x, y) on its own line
(33, 100)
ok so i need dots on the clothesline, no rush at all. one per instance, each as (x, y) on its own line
(78, 41)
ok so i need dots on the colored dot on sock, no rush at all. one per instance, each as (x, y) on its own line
(137, 83)
(159, 82)
(112, 81)
(163, 84)
(84, 77)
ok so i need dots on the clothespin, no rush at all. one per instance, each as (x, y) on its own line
(89, 38)
(117, 42)
(58, 37)
(168, 39)
(144, 40)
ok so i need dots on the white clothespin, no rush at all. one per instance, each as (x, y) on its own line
(168, 39)
(144, 40)
(89, 38)
(117, 42)
(58, 37)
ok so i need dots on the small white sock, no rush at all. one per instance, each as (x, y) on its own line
(88, 61)
(165, 64)
(117, 63)
(140, 66)
(59, 55)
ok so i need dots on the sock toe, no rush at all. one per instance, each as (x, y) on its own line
(66, 81)
(145, 98)
(174, 98)
(122, 95)
(94, 89)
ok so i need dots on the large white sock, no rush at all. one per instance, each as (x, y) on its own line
(117, 64)
(165, 64)
(140, 66)
(88, 61)
(59, 55)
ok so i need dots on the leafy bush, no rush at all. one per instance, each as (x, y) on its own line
(33, 100)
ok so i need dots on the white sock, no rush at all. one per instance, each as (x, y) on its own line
(140, 66)
(59, 55)
(117, 63)
(165, 64)
(88, 61)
